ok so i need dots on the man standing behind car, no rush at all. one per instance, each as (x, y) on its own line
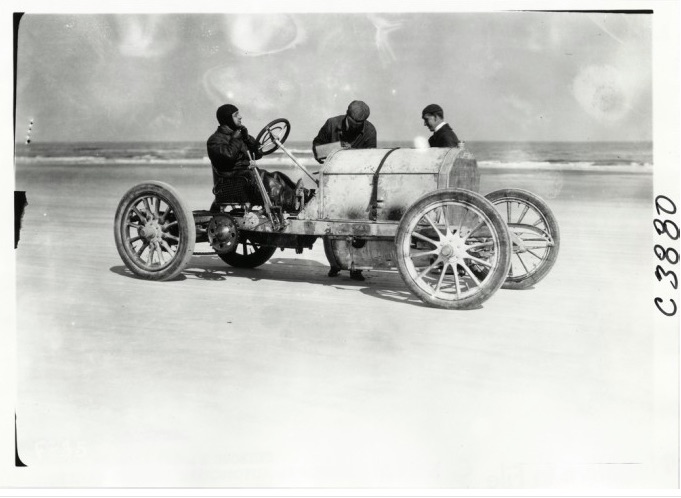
(443, 135)
(349, 131)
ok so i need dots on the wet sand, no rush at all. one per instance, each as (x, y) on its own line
(282, 377)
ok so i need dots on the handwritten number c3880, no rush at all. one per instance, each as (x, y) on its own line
(664, 204)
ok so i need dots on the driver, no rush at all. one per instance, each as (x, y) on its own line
(230, 149)
(230, 145)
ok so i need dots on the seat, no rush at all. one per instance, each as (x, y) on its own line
(241, 186)
(236, 187)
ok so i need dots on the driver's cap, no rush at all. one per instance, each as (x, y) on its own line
(224, 114)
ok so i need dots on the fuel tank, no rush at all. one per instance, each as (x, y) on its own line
(380, 184)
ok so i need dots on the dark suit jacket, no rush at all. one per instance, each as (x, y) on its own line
(444, 137)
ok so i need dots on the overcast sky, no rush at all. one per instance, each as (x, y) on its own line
(498, 76)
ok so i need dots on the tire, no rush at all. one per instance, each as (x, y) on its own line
(248, 254)
(154, 231)
(539, 235)
(476, 238)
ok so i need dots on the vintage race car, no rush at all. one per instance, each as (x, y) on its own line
(416, 210)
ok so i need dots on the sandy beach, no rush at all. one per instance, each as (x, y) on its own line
(282, 377)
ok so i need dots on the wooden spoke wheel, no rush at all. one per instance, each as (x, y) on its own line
(154, 231)
(453, 249)
(248, 254)
(534, 234)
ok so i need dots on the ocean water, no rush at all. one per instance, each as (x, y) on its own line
(634, 157)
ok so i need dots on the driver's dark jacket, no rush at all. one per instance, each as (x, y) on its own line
(333, 131)
(228, 153)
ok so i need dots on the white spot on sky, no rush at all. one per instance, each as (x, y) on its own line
(601, 92)
(144, 36)
(254, 35)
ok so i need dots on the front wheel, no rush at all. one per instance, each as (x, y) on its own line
(453, 249)
(154, 231)
(534, 233)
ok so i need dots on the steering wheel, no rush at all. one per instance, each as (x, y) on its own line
(278, 128)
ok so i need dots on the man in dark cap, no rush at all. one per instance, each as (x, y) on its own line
(232, 149)
(229, 148)
(443, 135)
(352, 131)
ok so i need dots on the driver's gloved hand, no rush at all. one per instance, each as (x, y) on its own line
(257, 151)
(244, 132)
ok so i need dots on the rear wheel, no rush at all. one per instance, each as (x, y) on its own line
(248, 254)
(453, 249)
(534, 233)
(154, 231)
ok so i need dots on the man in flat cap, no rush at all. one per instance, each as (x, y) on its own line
(443, 135)
(351, 131)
